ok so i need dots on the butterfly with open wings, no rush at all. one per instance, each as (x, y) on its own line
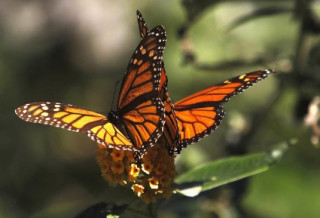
(145, 111)
(139, 119)
(198, 115)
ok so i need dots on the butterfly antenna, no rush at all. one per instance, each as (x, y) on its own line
(114, 93)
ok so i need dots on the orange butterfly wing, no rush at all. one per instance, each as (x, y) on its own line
(196, 123)
(72, 118)
(201, 113)
(139, 106)
(171, 131)
(144, 123)
(142, 78)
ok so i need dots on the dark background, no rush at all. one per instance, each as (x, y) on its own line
(75, 51)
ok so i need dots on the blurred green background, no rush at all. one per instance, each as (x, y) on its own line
(75, 51)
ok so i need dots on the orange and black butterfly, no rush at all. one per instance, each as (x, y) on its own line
(171, 132)
(139, 119)
(192, 118)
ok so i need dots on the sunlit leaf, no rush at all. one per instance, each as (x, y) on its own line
(220, 172)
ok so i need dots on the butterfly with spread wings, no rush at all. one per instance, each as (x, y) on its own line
(198, 115)
(139, 119)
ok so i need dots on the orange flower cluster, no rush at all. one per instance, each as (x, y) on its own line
(150, 176)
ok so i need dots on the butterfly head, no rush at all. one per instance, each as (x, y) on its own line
(114, 117)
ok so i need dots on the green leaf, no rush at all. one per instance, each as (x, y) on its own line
(220, 172)
(113, 216)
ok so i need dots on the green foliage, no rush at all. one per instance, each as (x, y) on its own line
(217, 173)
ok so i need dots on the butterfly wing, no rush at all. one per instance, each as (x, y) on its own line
(170, 133)
(142, 77)
(201, 113)
(72, 118)
(139, 106)
(196, 123)
(144, 123)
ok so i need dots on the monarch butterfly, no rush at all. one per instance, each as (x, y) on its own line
(139, 119)
(194, 117)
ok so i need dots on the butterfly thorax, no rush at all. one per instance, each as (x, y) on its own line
(115, 119)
